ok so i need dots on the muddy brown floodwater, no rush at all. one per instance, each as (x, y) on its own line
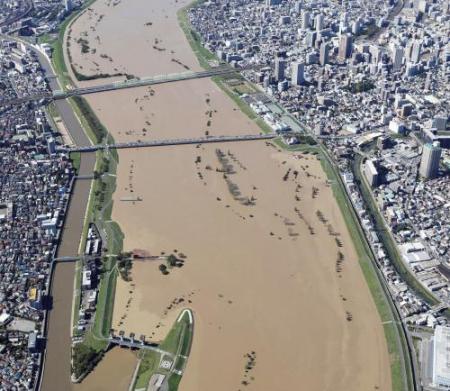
(270, 271)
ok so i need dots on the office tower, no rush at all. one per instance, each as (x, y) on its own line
(311, 58)
(282, 86)
(319, 22)
(356, 27)
(415, 54)
(345, 46)
(411, 69)
(280, 67)
(324, 54)
(298, 7)
(429, 165)
(272, 2)
(371, 172)
(68, 5)
(397, 57)
(408, 50)
(375, 54)
(298, 73)
(306, 16)
(310, 39)
(343, 24)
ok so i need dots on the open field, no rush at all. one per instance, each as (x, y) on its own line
(270, 286)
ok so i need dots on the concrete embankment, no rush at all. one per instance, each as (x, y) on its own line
(56, 372)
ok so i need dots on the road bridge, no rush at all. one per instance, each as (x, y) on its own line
(87, 177)
(120, 85)
(134, 344)
(67, 259)
(160, 143)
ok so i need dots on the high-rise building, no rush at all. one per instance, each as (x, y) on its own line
(280, 67)
(415, 54)
(272, 2)
(429, 165)
(68, 5)
(356, 27)
(298, 73)
(345, 46)
(397, 58)
(324, 54)
(375, 54)
(310, 38)
(343, 23)
(371, 172)
(319, 22)
(306, 20)
(408, 50)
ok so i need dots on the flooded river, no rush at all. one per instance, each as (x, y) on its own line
(263, 273)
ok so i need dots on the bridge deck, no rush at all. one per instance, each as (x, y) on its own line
(160, 143)
(133, 83)
(137, 345)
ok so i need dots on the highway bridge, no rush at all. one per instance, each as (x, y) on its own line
(120, 85)
(161, 143)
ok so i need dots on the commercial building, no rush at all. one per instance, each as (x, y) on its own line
(306, 19)
(298, 74)
(324, 54)
(280, 68)
(429, 165)
(345, 46)
(68, 6)
(319, 22)
(371, 172)
(397, 58)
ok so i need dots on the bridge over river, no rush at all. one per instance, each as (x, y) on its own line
(161, 143)
(124, 84)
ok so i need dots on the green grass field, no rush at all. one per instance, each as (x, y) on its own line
(177, 343)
